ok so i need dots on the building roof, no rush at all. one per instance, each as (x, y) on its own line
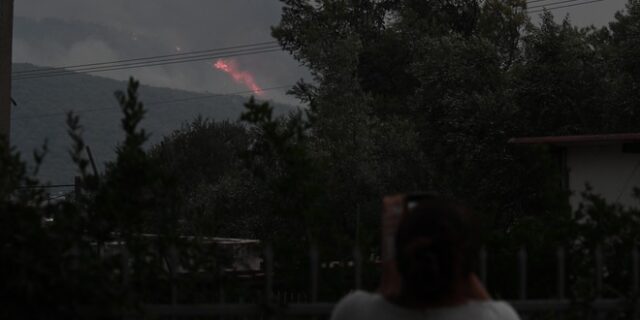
(590, 139)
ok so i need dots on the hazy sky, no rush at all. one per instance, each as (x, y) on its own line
(191, 25)
(166, 24)
(598, 13)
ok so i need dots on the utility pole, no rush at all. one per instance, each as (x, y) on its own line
(6, 39)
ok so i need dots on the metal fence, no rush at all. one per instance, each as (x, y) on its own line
(286, 304)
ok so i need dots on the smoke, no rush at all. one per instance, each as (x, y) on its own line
(230, 66)
(62, 32)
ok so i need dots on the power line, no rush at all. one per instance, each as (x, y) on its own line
(132, 63)
(253, 48)
(567, 6)
(148, 64)
(151, 57)
(200, 97)
(534, 1)
(551, 4)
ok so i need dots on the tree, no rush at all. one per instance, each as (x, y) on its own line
(623, 42)
(415, 95)
(105, 247)
(216, 191)
(445, 84)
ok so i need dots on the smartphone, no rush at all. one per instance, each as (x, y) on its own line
(394, 208)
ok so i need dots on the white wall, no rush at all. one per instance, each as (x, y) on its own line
(612, 173)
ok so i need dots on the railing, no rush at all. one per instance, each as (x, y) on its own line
(275, 304)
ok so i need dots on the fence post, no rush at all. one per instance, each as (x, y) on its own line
(173, 265)
(126, 273)
(522, 268)
(634, 268)
(242, 302)
(126, 270)
(313, 260)
(599, 264)
(357, 265)
(483, 265)
(561, 272)
(222, 282)
(77, 188)
(268, 257)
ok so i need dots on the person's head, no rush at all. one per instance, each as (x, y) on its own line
(436, 244)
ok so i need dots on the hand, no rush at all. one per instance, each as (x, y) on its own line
(476, 290)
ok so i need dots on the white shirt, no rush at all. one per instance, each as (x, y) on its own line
(372, 306)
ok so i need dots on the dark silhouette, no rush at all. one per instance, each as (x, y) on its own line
(435, 245)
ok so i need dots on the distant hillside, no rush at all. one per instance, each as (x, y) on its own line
(42, 105)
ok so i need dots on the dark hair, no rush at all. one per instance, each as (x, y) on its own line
(436, 244)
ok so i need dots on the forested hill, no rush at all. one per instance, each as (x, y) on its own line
(42, 105)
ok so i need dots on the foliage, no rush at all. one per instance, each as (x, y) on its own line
(424, 95)
(456, 80)
(215, 192)
(44, 102)
(105, 246)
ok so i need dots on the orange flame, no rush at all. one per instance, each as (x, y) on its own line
(244, 77)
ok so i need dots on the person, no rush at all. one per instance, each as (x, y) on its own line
(435, 245)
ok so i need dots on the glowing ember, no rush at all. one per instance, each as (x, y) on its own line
(244, 77)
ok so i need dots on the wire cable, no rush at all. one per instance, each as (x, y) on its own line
(140, 64)
(216, 50)
(534, 1)
(147, 64)
(567, 6)
(131, 63)
(551, 4)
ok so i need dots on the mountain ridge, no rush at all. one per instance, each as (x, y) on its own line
(42, 105)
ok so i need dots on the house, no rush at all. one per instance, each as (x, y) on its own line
(607, 162)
